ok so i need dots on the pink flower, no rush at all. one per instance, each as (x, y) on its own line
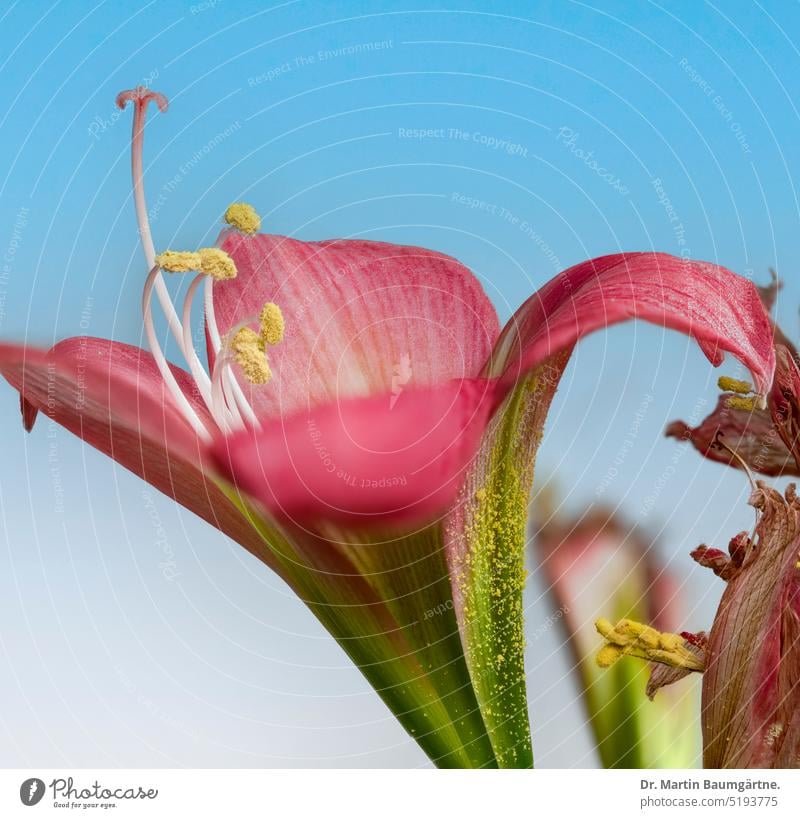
(364, 427)
(597, 565)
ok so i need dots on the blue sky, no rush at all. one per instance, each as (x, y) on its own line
(518, 137)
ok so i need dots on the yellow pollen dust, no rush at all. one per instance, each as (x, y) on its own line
(727, 384)
(248, 350)
(629, 638)
(745, 404)
(174, 261)
(216, 263)
(243, 217)
(272, 323)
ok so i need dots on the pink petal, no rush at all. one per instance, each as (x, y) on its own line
(751, 685)
(112, 396)
(365, 460)
(784, 400)
(720, 310)
(362, 317)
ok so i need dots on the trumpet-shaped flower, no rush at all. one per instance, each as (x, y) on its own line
(596, 565)
(360, 423)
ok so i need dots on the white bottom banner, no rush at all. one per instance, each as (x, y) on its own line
(416, 793)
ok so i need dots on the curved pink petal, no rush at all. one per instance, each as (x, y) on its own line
(112, 396)
(362, 317)
(720, 310)
(366, 460)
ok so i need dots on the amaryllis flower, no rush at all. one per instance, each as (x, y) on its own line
(360, 423)
(596, 565)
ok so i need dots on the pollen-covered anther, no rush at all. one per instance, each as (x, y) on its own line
(608, 655)
(243, 217)
(727, 384)
(216, 263)
(178, 261)
(630, 638)
(248, 351)
(271, 323)
(745, 404)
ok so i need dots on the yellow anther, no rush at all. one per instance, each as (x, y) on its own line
(216, 263)
(178, 262)
(272, 323)
(248, 350)
(727, 384)
(670, 641)
(210, 261)
(607, 655)
(243, 217)
(637, 632)
(745, 404)
(631, 638)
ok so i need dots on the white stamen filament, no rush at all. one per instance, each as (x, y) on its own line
(161, 362)
(223, 376)
(217, 389)
(233, 385)
(196, 367)
(230, 411)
